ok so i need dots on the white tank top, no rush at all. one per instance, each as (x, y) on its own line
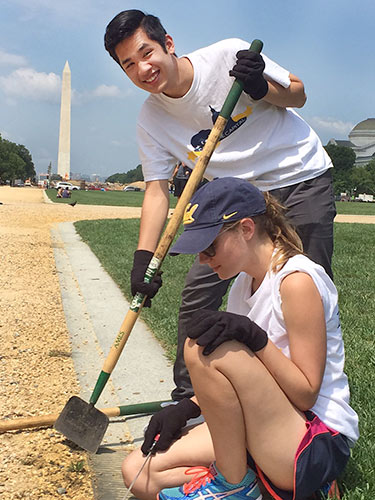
(264, 307)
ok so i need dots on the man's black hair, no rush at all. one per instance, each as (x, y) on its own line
(126, 23)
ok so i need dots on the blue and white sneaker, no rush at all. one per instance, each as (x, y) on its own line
(209, 484)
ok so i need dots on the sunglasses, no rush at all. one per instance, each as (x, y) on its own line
(211, 250)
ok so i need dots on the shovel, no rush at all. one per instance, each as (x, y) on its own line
(17, 424)
(79, 421)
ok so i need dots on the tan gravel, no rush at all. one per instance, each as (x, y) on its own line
(36, 372)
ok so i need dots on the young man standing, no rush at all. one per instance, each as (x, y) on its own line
(265, 142)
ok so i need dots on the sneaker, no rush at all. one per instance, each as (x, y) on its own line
(209, 484)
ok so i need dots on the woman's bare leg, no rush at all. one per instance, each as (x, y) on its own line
(167, 469)
(244, 407)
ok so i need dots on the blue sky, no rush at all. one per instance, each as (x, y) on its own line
(329, 44)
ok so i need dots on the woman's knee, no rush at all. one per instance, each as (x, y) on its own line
(195, 359)
(193, 355)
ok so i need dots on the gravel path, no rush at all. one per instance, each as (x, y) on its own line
(36, 371)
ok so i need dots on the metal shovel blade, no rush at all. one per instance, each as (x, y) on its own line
(82, 423)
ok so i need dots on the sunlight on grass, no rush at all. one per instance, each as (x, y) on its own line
(109, 198)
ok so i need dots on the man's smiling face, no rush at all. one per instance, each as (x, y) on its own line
(146, 63)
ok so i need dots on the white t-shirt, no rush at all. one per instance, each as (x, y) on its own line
(264, 308)
(270, 146)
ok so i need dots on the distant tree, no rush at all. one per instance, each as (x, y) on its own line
(363, 179)
(133, 175)
(24, 153)
(14, 167)
(15, 161)
(343, 160)
(56, 177)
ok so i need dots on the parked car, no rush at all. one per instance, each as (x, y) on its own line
(132, 188)
(96, 188)
(68, 185)
(18, 183)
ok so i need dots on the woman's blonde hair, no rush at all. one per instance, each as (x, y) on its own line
(284, 236)
(275, 225)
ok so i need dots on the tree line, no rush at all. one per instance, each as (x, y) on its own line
(127, 177)
(15, 162)
(348, 178)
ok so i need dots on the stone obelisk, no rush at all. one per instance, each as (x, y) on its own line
(63, 160)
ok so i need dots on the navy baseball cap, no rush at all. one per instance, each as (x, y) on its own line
(220, 201)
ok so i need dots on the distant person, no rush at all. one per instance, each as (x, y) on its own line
(59, 192)
(268, 373)
(182, 174)
(66, 193)
(265, 142)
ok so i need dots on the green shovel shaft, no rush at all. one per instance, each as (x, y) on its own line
(99, 386)
(237, 87)
(142, 408)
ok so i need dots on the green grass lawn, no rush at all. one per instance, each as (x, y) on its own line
(135, 199)
(112, 198)
(114, 242)
(355, 208)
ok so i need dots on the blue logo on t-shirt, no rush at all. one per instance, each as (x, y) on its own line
(199, 140)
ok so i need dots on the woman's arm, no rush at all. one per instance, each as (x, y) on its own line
(301, 376)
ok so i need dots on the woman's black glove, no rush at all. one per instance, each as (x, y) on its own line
(212, 328)
(140, 263)
(169, 423)
(249, 69)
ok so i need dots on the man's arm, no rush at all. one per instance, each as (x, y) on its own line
(249, 68)
(294, 96)
(154, 213)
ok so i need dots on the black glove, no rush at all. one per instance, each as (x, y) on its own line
(140, 263)
(249, 69)
(169, 423)
(212, 328)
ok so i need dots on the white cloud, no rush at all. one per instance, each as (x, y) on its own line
(106, 91)
(8, 59)
(30, 84)
(335, 127)
(100, 92)
(39, 86)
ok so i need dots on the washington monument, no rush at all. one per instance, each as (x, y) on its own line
(63, 160)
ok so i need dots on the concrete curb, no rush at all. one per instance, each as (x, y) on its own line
(46, 198)
(94, 309)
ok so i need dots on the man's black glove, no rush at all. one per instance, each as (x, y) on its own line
(212, 328)
(140, 263)
(169, 423)
(249, 69)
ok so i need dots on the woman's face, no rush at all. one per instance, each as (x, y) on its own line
(227, 254)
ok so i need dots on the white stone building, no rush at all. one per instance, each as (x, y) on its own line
(361, 140)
